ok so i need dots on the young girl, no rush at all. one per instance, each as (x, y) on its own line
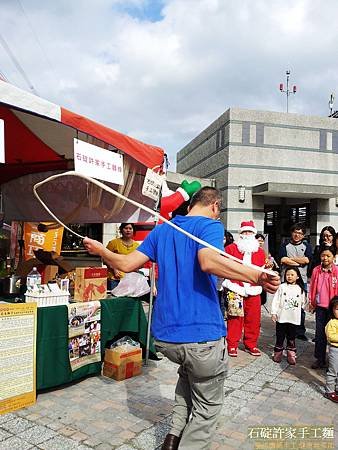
(286, 313)
(323, 287)
(331, 331)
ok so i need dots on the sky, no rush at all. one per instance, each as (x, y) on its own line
(163, 70)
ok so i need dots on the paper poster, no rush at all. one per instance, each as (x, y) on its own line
(35, 239)
(152, 185)
(97, 162)
(84, 333)
(17, 356)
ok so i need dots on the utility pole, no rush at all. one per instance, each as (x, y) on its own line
(287, 91)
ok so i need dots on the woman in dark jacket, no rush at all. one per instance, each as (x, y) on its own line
(326, 239)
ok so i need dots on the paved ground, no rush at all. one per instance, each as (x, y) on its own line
(101, 414)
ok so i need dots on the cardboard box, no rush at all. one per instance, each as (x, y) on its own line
(49, 273)
(90, 283)
(120, 364)
(41, 260)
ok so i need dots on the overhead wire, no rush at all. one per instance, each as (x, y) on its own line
(36, 37)
(3, 76)
(17, 64)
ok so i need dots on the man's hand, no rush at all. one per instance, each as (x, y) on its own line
(117, 274)
(274, 317)
(268, 263)
(269, 283)
(311, 308)
(289, 261)
(93, 247)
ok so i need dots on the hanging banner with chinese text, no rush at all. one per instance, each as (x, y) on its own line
(152, 184)
(17, 356)
(34, 239)
(97, 162)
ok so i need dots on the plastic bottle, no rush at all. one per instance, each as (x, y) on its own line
(33, 278)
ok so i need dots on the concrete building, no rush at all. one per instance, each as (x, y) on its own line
(276, 168)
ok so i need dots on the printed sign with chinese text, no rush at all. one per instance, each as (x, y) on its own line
(152, 184)
(98, 163)
(35, 239)
(18, 324)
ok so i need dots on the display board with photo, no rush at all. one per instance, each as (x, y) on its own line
(84, 333)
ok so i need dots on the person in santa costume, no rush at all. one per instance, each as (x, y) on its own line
(247, 249)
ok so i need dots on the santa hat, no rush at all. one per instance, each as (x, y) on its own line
(248, 226)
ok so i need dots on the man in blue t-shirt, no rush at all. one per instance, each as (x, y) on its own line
(188, 326)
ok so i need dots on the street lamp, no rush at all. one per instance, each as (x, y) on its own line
(287, 91)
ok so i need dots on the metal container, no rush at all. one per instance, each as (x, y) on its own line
(11, 285)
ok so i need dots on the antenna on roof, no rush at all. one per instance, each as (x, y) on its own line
(287, 91)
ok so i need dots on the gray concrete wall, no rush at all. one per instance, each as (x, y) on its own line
(247, 148)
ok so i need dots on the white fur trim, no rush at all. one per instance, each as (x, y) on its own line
(227, 284)
(247, 228)
(253, 290)
(165, 189)
(184, 194)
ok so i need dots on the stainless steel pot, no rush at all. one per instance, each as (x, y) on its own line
(11, 285)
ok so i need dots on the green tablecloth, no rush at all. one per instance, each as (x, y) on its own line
(118, 315)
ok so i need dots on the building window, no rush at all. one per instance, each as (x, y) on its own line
(220, 137)
(300, 214)
(335, 141)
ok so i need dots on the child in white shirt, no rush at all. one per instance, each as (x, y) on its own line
(286, 313)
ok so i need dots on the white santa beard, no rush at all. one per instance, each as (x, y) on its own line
(247, 245)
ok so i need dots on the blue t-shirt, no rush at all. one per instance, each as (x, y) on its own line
(187, 306)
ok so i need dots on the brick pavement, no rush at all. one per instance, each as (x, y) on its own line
(101, 414)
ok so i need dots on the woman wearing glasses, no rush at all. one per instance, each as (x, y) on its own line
(326, 240)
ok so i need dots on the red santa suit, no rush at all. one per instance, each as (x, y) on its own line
(250, 322)
(172, 200)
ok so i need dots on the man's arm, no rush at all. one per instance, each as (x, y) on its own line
(301, 259)
(289, 261)
(212, 262)
(297, 260)
(126, 263)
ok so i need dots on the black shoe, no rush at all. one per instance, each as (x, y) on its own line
(302, 337)
(318, 365)
(171, 442)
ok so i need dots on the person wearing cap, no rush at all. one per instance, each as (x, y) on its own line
(248, 250)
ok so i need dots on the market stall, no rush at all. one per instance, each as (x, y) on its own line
(118, 315)
(39, 140)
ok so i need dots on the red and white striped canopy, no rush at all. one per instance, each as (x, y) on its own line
(39, 140)
(39, 135)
